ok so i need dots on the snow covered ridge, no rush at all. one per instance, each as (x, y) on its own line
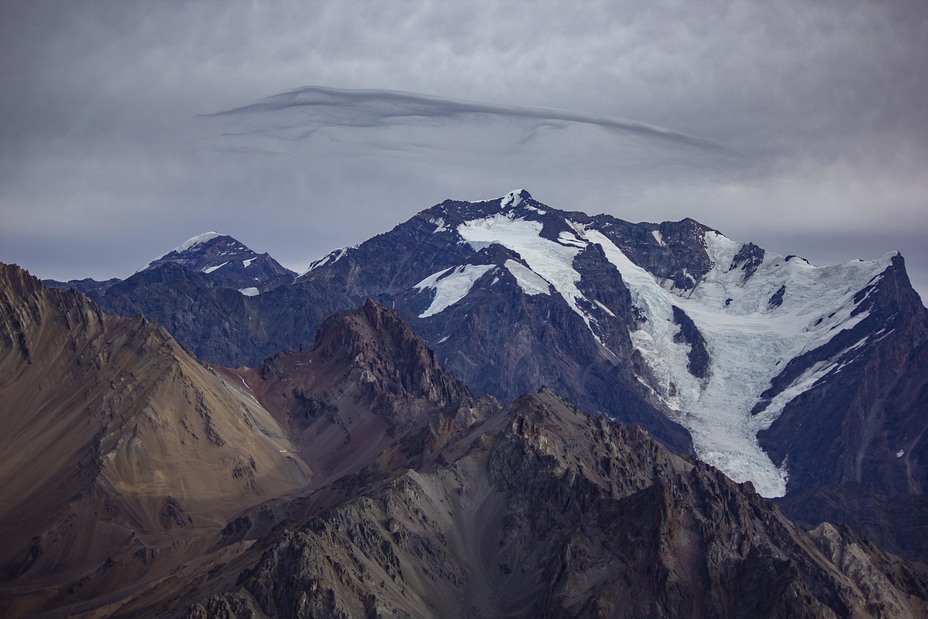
(197, 240)
(755, 311)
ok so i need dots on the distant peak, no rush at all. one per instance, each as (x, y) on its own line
(197, 240)
(199, 248)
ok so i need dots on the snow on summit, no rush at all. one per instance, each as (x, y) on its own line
(194, 241)
(185, 246)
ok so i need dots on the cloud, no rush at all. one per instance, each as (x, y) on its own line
(328, 107)
(787, 120)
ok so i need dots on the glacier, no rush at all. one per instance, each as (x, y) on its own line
(749, 338)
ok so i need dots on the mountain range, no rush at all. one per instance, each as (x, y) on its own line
(384, 446)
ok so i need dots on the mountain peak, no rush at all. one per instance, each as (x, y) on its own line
(201, 249)
(379, 341)
(228, 262)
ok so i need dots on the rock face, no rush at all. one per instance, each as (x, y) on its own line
(365, 386)
(542, 511)
(121, 455)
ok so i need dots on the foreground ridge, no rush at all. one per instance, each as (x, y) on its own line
(378, 485)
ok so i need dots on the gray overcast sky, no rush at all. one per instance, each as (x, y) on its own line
(127, 127)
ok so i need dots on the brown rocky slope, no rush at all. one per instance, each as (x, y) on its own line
(121, 455)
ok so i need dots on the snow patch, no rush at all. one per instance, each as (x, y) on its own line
(657, 237)
(194, 241)
(440, 225)
(247, 263)
(451, 285)
(551, 261)
(250, 292)
(530, 282)
(209, 270)
(900, 453)
(568, 238)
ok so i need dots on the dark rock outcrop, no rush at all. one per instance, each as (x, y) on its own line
(698, 357)
(748, 258)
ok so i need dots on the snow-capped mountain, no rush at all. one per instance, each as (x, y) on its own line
(227, 262)
(722, 336)
(809, 381)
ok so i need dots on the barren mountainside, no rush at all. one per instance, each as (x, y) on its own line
(360, 478)
(543, 511)
(121, 454)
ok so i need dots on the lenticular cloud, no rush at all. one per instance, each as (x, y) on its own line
(368, 127)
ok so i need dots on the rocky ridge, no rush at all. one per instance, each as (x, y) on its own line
(543, 511)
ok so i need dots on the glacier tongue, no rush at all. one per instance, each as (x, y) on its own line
(749, 341)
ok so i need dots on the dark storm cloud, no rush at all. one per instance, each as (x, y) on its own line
(817, 110)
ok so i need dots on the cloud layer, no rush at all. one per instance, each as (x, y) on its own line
(129, 126)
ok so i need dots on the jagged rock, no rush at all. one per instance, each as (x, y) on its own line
(439, 505)
(748, 259)
(546, 512)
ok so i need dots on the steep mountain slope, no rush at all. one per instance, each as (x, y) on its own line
(122, 456)
(202, 270)
(216, 322)
(856, 444)
(365, 385)
(795, 377)
(698, 326)
(543, 511)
